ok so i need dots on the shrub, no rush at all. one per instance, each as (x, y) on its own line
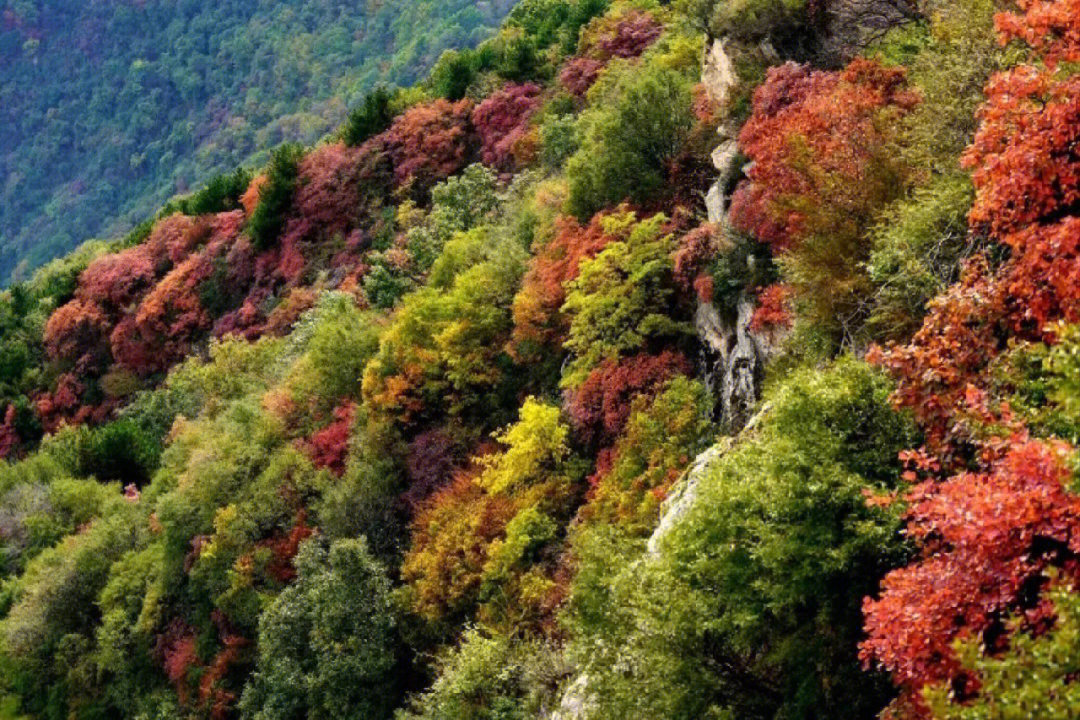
(1036, 676)
(221, 194)
(490, 676)
(502, 122)
(820, 177)
(621, 301)
(988, 540)
(663, 433)
(430, 142)
(537, 320)
(602, 405)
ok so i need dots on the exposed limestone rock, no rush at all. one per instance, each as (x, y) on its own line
(734, 358)
(715, 205)
(851, 25)
(685, 493)
(718, 73)
(576, 703)
(725, 159)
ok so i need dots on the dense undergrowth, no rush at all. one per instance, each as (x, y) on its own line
(398, 426)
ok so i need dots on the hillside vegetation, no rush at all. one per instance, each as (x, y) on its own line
(713, 359)
(107, 109)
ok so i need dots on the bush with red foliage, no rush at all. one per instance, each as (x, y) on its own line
(64, 405)
(987, 540)
(429, 465)
(537, 320)
(250, 199)
(601, 406)
(615, 36)
(429, 142)
(816, 139)
(283, 549)
(1051, 27)
(78, 332)
(1026, 171)
(706, 109)
(579, 74)
(695, 250)
(329, 448)
(212, 695)
(1025, 155)
(170, 316)
(625, 35)
(772, 310)
(173, 315)
(176, 650)
(502, 123)
(117, 280)
(9, 435)
(327, 199)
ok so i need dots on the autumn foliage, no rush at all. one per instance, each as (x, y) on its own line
(990, 540)
(772, 310)
(579, 74)
(434, 418)
(601, 406)
(502, 124)
(817, 142)
(622, 36)
(537, 317)
(329, 447)
(987, 539)
(1026, 170)
(450, 542)
(430, 142)
(625, 35)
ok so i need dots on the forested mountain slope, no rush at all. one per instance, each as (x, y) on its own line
(706, 359)
(109, 108)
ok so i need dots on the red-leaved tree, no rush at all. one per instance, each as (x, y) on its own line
(624, 35)
(818, 143)
(502, 123)
(430, 142)
(601, 406)
(329, 447)
(987, 540)
(1025, 162)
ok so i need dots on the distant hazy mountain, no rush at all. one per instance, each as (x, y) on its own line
(108, 107)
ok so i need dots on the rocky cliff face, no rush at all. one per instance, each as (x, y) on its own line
(719, 79)
(733, 354)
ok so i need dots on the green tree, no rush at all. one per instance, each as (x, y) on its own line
(276, 196)
(491, 677)
(639, 119)
(327, 643)
(373, 116)
(750, 606)
(622, 298)
(1036, 677)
